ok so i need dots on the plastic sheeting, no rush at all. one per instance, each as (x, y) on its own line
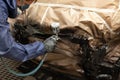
(96, 20)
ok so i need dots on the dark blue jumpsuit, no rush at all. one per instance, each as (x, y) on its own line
(8, 47)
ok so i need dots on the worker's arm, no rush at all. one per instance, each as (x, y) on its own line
(8, 47)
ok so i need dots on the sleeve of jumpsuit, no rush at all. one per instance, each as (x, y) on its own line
(8, 47)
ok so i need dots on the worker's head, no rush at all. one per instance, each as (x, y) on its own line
(24, 2)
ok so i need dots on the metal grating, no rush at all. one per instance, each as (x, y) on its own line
(4, 74)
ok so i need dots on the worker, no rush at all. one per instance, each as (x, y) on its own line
(9, 48)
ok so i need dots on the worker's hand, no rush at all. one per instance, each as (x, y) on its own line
(50, 43)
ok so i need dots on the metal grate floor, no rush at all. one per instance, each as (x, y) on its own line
(4, 74)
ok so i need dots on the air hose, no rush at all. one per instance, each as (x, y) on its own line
(24, 74)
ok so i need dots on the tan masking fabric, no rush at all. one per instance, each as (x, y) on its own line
(93, 19)
(102, 14)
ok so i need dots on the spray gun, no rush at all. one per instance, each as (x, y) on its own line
(55, 29)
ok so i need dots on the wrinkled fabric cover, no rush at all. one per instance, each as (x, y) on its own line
(93, 19)
(78, 13)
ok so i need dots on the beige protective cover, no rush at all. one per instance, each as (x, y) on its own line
(97, 18)
(104, 14)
